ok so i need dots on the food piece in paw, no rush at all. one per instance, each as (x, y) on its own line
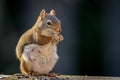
(57, 38)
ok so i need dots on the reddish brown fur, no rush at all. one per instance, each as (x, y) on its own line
(33, 35)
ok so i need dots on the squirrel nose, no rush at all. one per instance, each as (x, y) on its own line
(58, 30)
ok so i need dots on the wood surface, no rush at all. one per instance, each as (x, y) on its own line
(60, 77)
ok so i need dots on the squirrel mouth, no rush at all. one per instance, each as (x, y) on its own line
(52, 34)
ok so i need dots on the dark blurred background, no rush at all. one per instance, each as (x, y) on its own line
(91, 29)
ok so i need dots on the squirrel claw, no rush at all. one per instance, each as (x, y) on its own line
(48, 74)
(33, 74)
(51, 74)
(57, 38)
(61, 37)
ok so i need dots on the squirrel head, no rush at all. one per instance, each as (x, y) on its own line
(48, 24)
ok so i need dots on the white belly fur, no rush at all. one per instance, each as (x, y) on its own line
(45, 61)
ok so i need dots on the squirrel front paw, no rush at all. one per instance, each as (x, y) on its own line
(57, 38)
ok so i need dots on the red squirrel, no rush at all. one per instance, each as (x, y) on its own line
(37, 47)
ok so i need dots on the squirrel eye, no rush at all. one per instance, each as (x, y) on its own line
(49, 22)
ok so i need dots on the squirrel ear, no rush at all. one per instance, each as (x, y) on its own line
(42, 13)
(52, 12)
